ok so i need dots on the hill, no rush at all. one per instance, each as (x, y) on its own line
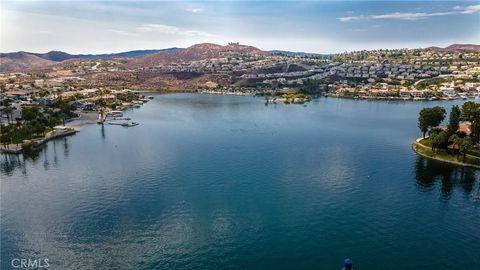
(22, 61)
(458, 48)
(194, 53)
(463, 47)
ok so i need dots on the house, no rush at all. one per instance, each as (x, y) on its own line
(88, 106)
(464, 127)
(447, 91)
(43, 101)
(17, 95)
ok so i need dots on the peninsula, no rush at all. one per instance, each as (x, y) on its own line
(456, 143)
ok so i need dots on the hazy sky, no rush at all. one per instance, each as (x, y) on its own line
(311, 26)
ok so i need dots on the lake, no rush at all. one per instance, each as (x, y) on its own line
(225, 182)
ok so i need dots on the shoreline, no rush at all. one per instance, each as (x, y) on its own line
(85, 118)
(16, 149)
(323, 94)
(417, 143)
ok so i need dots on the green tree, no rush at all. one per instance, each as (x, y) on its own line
(430, 117)
(432, 138)
(466, 145)
(8, 110)
(455, 140)
(30, 113)
(454, 120)
(440, 140)
(471, 112)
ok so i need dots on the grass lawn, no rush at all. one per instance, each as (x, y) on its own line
(426, 142)
(474, 152)
(445, 156)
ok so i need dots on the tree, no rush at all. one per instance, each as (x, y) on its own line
(430, 117)
(471, 112)
(454, 120)
(65, 109)
(432, 138)
(463, 144)
(440, 140)
(8, 111)
(455, 140)
(30, 113)
(466, 145)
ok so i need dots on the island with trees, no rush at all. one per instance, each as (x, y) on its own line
(458, 142)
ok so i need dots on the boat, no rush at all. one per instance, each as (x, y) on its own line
(150, 97)
(124, 124)
(115, 113)
(127, 124)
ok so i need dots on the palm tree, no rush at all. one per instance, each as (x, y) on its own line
(466, 145)
(8, 111)
(455, 140)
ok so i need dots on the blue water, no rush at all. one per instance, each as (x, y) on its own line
(225, 182)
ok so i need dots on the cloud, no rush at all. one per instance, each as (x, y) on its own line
(171, 30)
(121, 32)
(157, 28)
(194, 10)
(468, 9)
(412, 16)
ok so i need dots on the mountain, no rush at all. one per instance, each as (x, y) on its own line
(20, 61)
(463, 47)
(195, 53)
(458, 48)
(56, 56)
(130, 54)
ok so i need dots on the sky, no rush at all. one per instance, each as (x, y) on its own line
(308, 26)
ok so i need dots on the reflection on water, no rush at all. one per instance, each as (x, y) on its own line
(11, 162)
(428, 172)
(47, 152)
(102, 132)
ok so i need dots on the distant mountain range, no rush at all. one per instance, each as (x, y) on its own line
(61, 56)
(18, 61)
(23, 61)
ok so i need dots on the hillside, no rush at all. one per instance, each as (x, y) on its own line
(463, 47)
(458, 48)
(194, 53)
(24, 61)
(21, 61)
(138, 59)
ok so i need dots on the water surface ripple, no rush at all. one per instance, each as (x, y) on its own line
(225, 182)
